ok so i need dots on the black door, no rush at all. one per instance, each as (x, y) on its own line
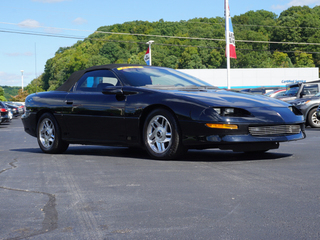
(91, 115)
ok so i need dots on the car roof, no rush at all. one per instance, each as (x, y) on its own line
(74, 77)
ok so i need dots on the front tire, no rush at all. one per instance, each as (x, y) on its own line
(49, 136)
(162, 136)
(313, 121)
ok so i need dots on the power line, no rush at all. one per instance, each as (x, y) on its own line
(247, 25)
(187, 22)
(160, 36)
(147, 35)
(49, 28)
(40, 34)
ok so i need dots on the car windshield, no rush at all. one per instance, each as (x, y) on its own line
(154, 76)
(270, 93)
(292, 91)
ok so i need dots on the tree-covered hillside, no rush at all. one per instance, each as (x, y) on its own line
(196, 43)
(9, 92)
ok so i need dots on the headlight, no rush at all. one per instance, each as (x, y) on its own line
(232, 112)
(295, 110)
(299, 103)
(27, 113)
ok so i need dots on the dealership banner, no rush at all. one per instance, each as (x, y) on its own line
(147, 57)
(232, 41)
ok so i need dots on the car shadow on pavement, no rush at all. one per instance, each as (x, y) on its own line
(208, 155)
(312, 129)
(214, 155)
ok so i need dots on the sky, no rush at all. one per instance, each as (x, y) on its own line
(74, 20)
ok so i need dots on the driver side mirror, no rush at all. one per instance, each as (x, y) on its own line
(112, 91)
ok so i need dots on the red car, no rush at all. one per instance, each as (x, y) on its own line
(276, 93)
(4, 113)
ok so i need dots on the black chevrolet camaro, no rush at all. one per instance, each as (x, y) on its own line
(159, 109)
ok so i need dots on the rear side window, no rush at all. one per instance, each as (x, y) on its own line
(95, 81)
(310, 89)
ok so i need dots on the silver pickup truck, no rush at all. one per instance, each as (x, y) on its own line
(301, 90)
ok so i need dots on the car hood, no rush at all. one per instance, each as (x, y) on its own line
(225, 98)
(306, 99)
(264, 109)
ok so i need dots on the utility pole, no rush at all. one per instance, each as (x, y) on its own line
(22, 79)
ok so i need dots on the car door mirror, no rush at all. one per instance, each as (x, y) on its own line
(112, 91)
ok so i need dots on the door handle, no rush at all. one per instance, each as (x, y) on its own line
(69, 102)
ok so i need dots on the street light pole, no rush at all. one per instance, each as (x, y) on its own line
(22, 79)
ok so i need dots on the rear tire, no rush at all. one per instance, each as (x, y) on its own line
(162, 135)
(49, 136)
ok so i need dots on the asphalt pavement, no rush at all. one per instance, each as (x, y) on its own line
(97, 192)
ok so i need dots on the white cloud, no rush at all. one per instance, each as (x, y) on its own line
(9, 79)
(29, 23)
(303, 2)
(16, 54)
(50, 1)
(80, 21)
(296, 3)
(52, 30)
(279, 7)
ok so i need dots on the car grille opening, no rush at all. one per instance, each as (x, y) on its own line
(275, 130)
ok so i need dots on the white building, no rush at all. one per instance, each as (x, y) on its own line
(254, 77)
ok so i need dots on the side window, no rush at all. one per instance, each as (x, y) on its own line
(310, 89)
(95, 81)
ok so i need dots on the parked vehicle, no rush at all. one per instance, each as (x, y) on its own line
(14, 109)
(276, 93)
(301, 90)
(318, 113)
(20, 106)
(160, 109)
(308, 106)
(259, 90)
(4, 113)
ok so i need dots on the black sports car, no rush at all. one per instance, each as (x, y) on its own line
(160, 109)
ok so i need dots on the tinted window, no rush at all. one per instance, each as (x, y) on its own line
(310, 89)
(292, 91)
(95, 81)
(143, 76)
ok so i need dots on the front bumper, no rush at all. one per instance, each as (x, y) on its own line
(30, 123)
(199, 136)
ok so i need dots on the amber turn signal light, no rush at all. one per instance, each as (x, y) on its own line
(222, 126)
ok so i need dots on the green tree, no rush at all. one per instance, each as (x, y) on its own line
(303, 60)
(21, 97)
(296, 24)
(281, 60)
(2, 98)
(190, 59)
(35, 85)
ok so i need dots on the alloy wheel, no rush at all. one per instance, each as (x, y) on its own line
(47, 133)
(159, 134)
